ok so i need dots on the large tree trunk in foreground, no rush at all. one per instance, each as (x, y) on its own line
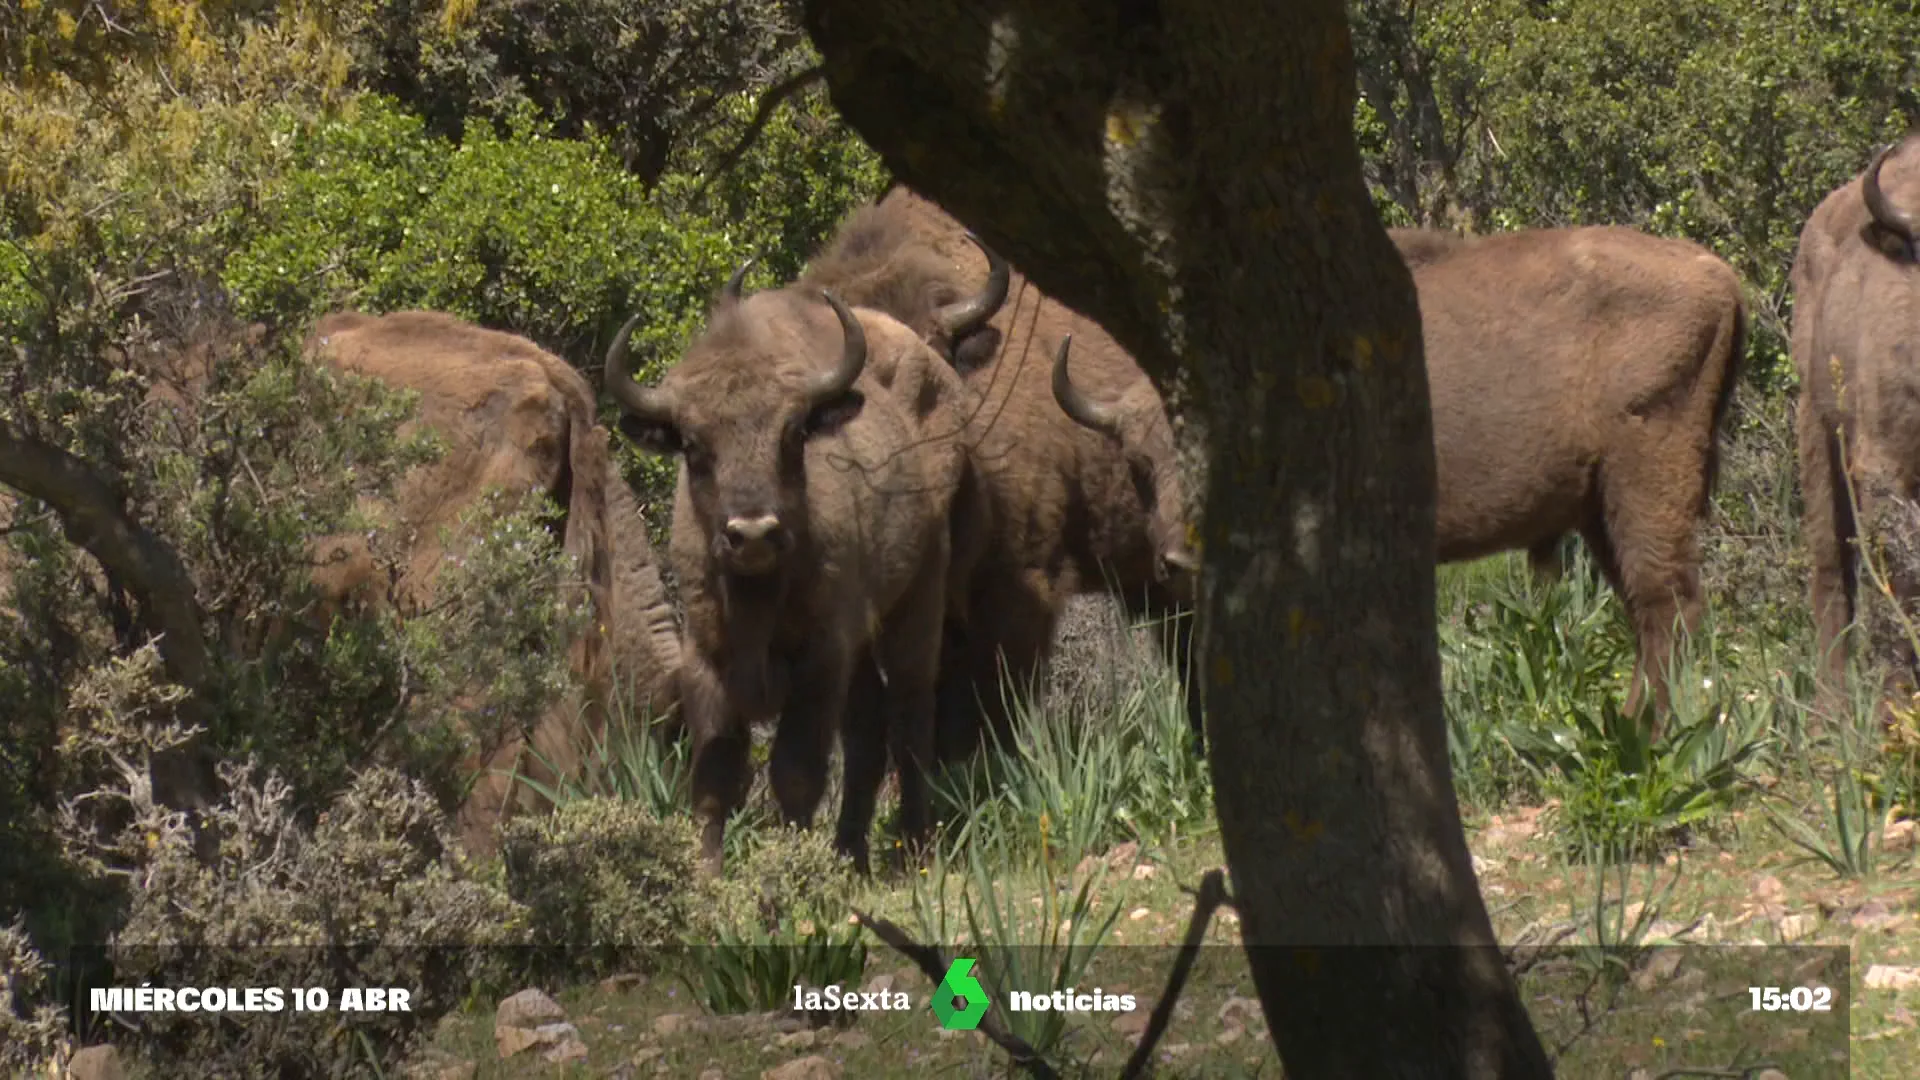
(1185, 173)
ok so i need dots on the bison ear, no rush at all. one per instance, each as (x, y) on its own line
(829, 417)
(651, 436)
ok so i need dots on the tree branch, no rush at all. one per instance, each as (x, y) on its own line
(1213, 893)
(92, 517)
(928, 959)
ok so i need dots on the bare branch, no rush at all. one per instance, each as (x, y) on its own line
(1213, 893)
(775, 96)
(929, 960)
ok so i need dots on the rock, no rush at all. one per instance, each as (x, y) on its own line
(852, 1040)
(1144, 871)
(1796, 928)
(672, 1024)
(1769, 1074)
(1484, 866)
(713, 1073)
(563, 1043)
(1888, 977)
(1659, 968)
(1240, 1011)
(799, 1040)
(1874, 915)
(1138, 913)
(1230, 1036)
(1132, 1025)
(641, 1057)
(528, 1009)
(1126, 854)
(512, 1040)
(96, 1063)
(1898, 836)
(622, 983)
(812, 1067)
(879, 984)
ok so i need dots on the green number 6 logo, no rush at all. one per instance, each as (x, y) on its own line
(960, 1001)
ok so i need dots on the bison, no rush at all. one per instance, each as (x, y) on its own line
(511, 416)
(1856, 310)
(1578, 379)
(1078, 473)
(821, 453)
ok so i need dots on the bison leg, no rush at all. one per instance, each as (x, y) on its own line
(1655, 499)
(1884, 532)
(797, 770)
(1829, 527)
(907, 656)
(1002, 653)
(863, 755)
(721, 741)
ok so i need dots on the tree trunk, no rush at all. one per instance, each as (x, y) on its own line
(1185, 173)
(91, 514)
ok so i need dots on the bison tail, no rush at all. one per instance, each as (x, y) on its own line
(1732, 337)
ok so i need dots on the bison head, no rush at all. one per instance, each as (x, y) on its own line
(1137, 425)
(766, 376)
(1896, 229)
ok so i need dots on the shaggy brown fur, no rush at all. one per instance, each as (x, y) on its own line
(811, 542)
(1856, 292)
(1072, 510)
(1578, 380)
(511, 416)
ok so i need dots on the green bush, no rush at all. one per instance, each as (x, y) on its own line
(782, 915)
(31, 1030)
(373, 894)
(605, 883)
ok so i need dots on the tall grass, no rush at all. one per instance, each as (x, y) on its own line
(1107, 761)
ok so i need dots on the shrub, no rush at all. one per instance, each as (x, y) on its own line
(605, 883)
(783, 920)
(374, 894)
(31, 1030)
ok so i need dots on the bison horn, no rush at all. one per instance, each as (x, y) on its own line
(1086, 413)
(731, 291)
(853, 357)
(643, 402)
(1883, 211)
(963, 318)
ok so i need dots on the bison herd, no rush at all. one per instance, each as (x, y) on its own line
(895, 471)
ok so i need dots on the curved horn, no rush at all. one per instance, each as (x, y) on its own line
(1086, 413)
(731, 291)
(646, 403)
(963, 318)
(853, 357)
(1884, 213)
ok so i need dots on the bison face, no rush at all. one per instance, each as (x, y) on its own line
(739, 409)
(1137, 425)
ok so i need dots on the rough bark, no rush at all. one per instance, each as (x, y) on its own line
(91, 513)
(1185, 173)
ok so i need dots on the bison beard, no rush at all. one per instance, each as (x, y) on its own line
(818, 465)
(1856, 299)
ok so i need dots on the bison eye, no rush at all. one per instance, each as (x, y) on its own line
(651, 436)
(831, 416)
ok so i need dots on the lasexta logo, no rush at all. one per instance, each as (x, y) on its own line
(960, 1001)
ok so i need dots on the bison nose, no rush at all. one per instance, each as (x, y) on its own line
(744, 531)
(754, 543)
